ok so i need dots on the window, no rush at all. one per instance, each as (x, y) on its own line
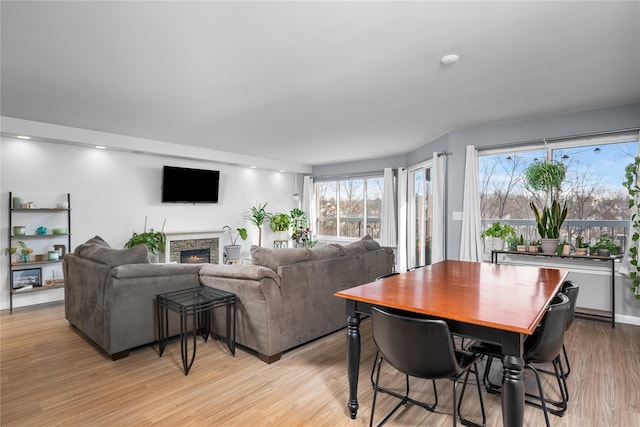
(597, 202)
(349, 207)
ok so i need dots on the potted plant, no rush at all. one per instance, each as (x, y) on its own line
(547, 176)
(498, 233)
(521, 247)
(549, 223)
(24, 251)
(604, 246)
(155, 241)
(631, 184)
(279, 224)
(232, 251)
(258, 215)
(581, 246)
(534, 246)
(299, 227)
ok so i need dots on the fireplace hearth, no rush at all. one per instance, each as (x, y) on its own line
(195, 256)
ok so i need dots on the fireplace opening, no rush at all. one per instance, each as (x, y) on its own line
(195, 256)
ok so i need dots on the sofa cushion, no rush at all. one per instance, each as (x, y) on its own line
(369, 243)
(97, 240)
(272, 258)
(95, 252)
(332, 250)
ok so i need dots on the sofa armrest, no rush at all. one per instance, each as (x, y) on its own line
(259, 305)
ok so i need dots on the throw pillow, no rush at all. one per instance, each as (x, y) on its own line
(97, 240)
(370, 243)
(331, 250)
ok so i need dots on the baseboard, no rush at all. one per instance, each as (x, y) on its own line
(631, 320)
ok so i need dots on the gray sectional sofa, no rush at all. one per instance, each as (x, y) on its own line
(285, 298)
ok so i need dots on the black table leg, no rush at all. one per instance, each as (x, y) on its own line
(353, 359)
(512, 391)
(184, 341)
(163, 327)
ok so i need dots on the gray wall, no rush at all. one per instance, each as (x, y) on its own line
(492, 134)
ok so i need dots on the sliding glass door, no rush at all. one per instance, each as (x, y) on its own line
(420, 218)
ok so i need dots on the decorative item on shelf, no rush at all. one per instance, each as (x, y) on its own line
(19, 230)
(549, 223)
(41, 231)
(24, 251)
(521, 247)
(17, 202)
(53, 256)
(27, 205)
(498, 234)
(258, 215)
(581, 247)
(59, 230)
(604, 247)
(63, 205)
(279, 224)
(534, 246)
(564, 248)
(232, 251)
(40, 257)
(61, 249)
(154, 240)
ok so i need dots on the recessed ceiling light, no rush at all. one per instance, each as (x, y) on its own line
(449, 59)
(253, 167)
(282, 170)
(23, 137)
(101, 147)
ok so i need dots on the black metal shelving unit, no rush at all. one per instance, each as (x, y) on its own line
(16, 266)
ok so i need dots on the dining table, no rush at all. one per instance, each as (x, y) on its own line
(500, 304)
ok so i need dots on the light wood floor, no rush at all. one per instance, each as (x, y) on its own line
(52, 375)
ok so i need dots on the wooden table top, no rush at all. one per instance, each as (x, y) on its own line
(505, 297)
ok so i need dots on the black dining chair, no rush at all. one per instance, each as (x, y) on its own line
(373, 369)
(421, 348)
(543, 346)
(570, 289)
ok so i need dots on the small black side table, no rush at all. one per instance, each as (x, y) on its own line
(196, 303)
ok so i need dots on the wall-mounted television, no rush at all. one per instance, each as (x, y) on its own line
(185, 185)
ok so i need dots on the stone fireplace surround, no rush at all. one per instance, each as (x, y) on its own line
(178, 241)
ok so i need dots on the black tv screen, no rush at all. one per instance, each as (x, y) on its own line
(184, 185)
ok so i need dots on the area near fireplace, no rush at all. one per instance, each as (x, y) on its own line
(193, 246)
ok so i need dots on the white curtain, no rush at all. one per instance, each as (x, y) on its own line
(470, 243)
(625, 266)
(401, 252)
(308, 202)
(389, 227)
(439, 223)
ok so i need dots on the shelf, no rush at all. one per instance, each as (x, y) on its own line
(40, 210)
(20, 264)
(38, 236)
(53, 215)
(36, 289)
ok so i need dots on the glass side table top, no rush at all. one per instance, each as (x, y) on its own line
(198, 299)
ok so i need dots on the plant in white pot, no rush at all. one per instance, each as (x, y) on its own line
(547, 176)
(232, 251)
(279, 224)
(498, 232)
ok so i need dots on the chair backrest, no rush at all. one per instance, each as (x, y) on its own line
(570, 289)
(418, 347)
(546, 342)
(387, 275)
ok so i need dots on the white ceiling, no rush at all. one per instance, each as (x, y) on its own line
(312, 82)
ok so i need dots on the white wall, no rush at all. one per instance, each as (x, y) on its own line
(113, 191)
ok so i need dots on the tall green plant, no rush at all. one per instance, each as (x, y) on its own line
(631, 184)
(550, 220)
(258, 215)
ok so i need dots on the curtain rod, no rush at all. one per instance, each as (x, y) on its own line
(556, 138)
